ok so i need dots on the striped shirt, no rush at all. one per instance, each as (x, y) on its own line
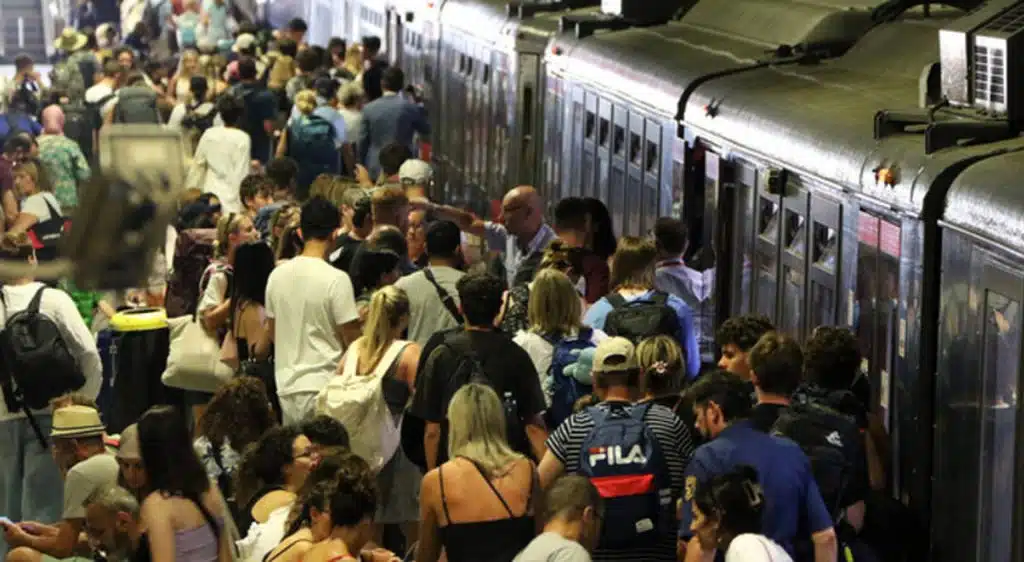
(673, 436)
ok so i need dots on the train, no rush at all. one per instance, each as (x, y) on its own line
(841, 162)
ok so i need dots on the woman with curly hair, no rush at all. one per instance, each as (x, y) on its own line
(236, 417)
(272, 471)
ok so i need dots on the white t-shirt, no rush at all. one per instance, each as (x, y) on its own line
(749, 547)
(220, 163)
(57, 305)
(96, 92)
(308, 299)
(541, 352)
(353, 121)
(36, 205)
(262, 538)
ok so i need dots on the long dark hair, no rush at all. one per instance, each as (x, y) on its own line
(239, 412)
(603, 230)
(735, 500)
(263, 463)
(318, 489)
(253, 263)
(171, 462)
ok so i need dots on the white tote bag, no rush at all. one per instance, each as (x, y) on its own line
(194, 359)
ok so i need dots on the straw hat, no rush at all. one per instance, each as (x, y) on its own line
(76, 421)
(70, 40)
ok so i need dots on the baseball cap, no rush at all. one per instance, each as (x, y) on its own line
(415, 172)
(614, 354)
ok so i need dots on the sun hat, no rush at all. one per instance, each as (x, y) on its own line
(129, 447)
(70, 40)
(614, 355)
(76, 421)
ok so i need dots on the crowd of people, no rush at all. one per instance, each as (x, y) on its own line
(391, 394)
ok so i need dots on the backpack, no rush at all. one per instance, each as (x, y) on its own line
(13, 127)
(82, 120)
(357, 401)
(565, 389)
(67, 77)
(623, 459)
(189, 36)
(831, 441)
(35, 363)
(46, 235)
(193, 253)
(311, 141)
(469, 369)
(136, 104)
(195, 123)
(642, 318)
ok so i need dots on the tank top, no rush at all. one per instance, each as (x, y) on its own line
(494, 541)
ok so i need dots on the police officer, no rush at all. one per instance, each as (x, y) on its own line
(794, 508)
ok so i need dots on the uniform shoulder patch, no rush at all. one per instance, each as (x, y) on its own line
(691, 487)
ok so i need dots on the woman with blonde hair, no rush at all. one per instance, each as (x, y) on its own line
(662, 366)
(553, 312)
(559, 256)
(181, 83)
(383, 354)
(41, 215)
(632, 282)
(233, 230)
(479, 505)
(310, 140)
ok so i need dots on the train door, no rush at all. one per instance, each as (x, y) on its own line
(529, 107)
(395, 22)
(589, 161)
(612, 179)
(976, 496)
(792, 318)
(633, 189)
(502, 108)
(825, 263)
(874, 304)
(731, 193)
(767, 250)
(552, 186)
(650, 170)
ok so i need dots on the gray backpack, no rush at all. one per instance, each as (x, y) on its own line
(137, 104)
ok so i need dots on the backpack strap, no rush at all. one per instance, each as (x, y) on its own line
(54, 213)
(639, 411)
(351, 360)
(616, 300)
(596, 414)
(389, 357)
(659, 298)
(446, 298)
(33, 307)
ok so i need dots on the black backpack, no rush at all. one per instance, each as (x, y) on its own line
(81, 121)
(641, 318)
(832, 442)
(35, 363)
(469, 369)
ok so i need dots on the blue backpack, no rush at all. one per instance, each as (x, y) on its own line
(623, 459)
(565, 389)
(311, 141)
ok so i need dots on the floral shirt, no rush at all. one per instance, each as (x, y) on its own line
(66, 167)
(229, 458)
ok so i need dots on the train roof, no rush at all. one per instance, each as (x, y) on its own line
(819, 119)
(987, 200)
(481, 17)
(653, 65)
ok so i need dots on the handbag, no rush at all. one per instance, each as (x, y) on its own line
(193, 362)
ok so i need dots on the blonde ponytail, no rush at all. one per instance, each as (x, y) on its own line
(226, 226)
(388, 307)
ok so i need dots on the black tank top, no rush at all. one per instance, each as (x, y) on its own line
(494, 541)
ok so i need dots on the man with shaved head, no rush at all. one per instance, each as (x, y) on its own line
(521, 237)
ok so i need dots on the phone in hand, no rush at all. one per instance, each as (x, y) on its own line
(4, 521)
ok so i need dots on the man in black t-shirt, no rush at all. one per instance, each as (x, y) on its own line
(505, 365)
(356, 225)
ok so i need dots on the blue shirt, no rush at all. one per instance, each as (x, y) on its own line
(597, 314)
(793, 506)
(260, 106)
(24, 122)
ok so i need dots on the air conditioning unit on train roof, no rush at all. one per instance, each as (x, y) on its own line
(643, 10)
(982, 60)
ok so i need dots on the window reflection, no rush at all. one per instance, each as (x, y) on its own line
(1000, 360)
(794, 287)
(766, 283)
(769, 220)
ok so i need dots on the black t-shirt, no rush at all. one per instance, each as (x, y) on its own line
(763, 416)
(506, 365)
(344, 250)
(260, 106)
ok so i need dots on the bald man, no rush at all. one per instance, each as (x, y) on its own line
(521, 237)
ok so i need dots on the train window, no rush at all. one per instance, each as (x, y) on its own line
(1000, 360)
(462, 63)
(620, 139)
(826, 248)
(796, 241)
(487, 73)
(602, 133)
(469, 66)
(769, 229)
(635, 148)
(589, 127)
(527, 110)
(652, 156)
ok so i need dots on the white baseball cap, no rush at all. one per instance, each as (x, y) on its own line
(415, 172)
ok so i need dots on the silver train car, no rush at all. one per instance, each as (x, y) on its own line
(852, 163)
